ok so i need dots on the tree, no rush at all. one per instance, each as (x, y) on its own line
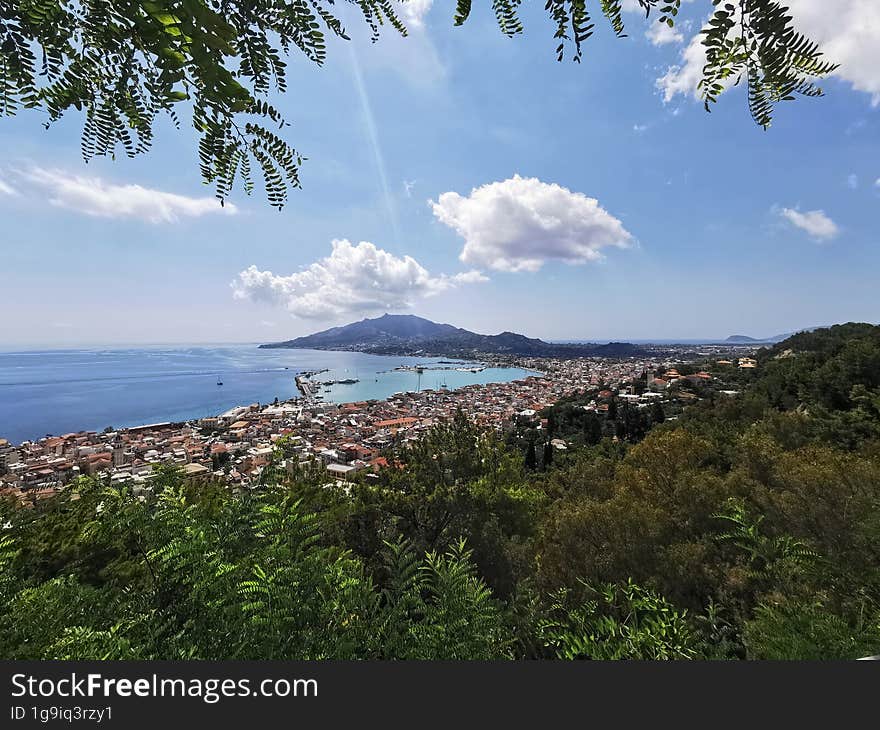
(592, 429)
(455, 482)
(531, 456)
(547, 459)
(612, 409)
(122, 63)
(658, 415)
(247, 579)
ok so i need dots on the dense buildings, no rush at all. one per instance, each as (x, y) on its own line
(345, 439)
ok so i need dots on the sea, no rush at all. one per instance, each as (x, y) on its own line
(53, 392)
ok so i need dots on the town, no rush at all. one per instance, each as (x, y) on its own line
(345, 439)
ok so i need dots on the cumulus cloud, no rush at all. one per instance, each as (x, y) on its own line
(413, 12)
(814, 222)
(684, 77)
(518, 224)
(848, 33)
(352, 279)
(95, 197)
(660, 34)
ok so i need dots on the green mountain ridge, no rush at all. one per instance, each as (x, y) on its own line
(407, 334)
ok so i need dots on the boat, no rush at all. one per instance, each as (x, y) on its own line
(219, 382)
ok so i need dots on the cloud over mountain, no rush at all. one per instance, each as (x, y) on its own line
(352, 279)
(520, 223)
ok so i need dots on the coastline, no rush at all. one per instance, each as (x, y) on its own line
(346, 436)
(128, 388)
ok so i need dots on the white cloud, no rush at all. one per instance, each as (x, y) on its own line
(6, 189)
(814, 222)
(640, 128)
(848, 33)
(518, 224)
(352, 279)
(413, 12)
(408, 186)
(684, 77)
(95, 197)
(852, 181)
(660, 34)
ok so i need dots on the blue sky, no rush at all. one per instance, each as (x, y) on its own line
(494, 188)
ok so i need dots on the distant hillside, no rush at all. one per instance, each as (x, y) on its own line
(746, 340)
(742, 339)
(406, 334)
(826, 342)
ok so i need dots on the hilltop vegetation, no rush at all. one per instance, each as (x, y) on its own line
(747, 528)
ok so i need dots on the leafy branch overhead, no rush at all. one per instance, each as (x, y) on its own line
(122, 63)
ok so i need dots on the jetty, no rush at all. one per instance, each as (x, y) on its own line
(304, 385)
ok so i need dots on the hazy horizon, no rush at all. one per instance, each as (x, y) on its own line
(659, 339)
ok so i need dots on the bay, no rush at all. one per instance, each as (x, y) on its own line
(60, 391)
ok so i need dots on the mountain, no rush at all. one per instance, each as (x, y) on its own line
(746, 340)
(406, 334)
(386, 329)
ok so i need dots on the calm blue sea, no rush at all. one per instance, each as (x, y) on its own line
(59, 391)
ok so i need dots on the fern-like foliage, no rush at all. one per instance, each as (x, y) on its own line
(757, 40)
(772, 556)
(121, 63)
(8, 553)
(617, 622)
(439, 608)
